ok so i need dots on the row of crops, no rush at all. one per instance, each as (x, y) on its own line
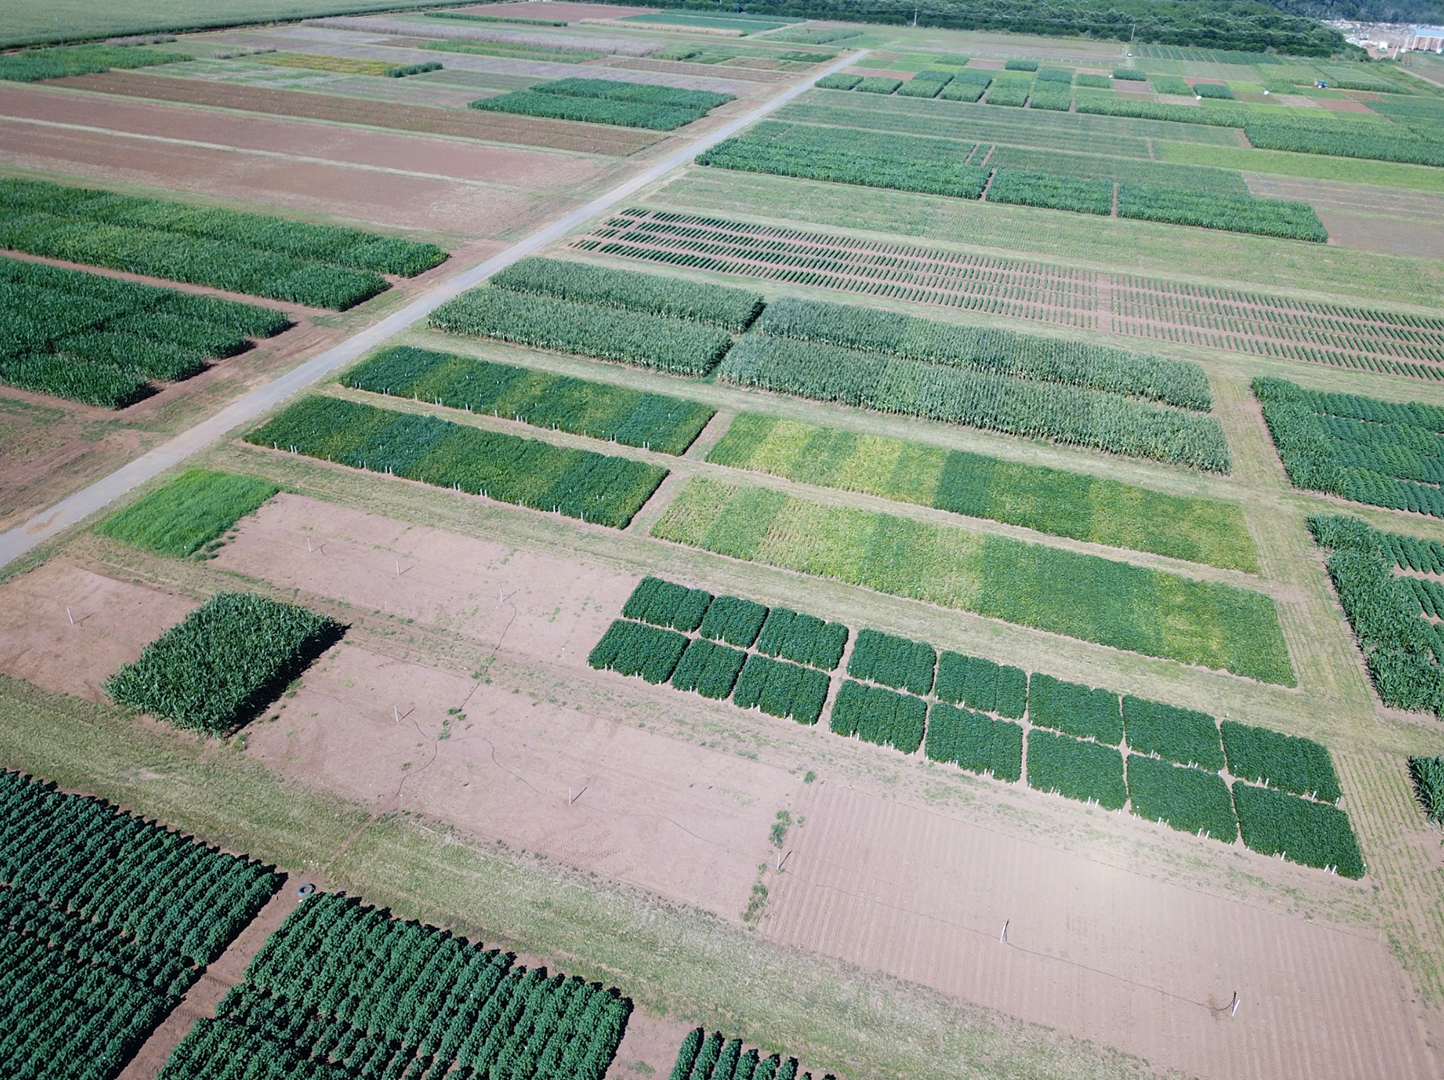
(1428, 776)
(343, 991)
(1089, 744)
(32, 65)
(939, 167)
(541, 399)
(105, 922)
(101, 341)
(580, 484)
(1383, 453)
(1086, 597)
(706, 1056)
(608, 101)
(323, 266)
(1402, 649)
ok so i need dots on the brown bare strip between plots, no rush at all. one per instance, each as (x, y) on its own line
(462, 123)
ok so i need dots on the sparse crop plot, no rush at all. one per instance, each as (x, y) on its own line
(1182, 736)
(1086, 771)
(893, 661)
(632, 417)
(346, 983)
(98, 340)
(1188, 799)
(879, 716)
(608, 101)
(974, 741)
(713, 1057)
(1286, 762)
(106, 921)
(1301, 830)
(577, 483)
(1081, 711)
(189, 514)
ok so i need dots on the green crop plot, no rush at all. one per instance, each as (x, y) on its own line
(1428, 776)
(608, 101)
(630, 648)
(982, 684)
(1188, 799)
(879, 716)
(711, 1057)
(803, 638)
(1301, 830)
(1287, 762)
(975, 742)
(1086, 771)
(667, 604)
(781, 689)
(1182, 736)
(893, 661)
(1081, 711)
(188, 513)
(708, 669)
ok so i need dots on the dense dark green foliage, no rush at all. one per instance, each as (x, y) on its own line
(632, 417)
(578, 483)
(1287, 762)
(633, 290)
(1086, 771)
(1075, 710)
(1190, 800)
(982, 684)
(708, 668)
(1216, 91)
(1016, 64)
(31, 65)
(188, 513)
(342, 990)
(101, 341)
(224, 662)
(878, 84)
(804, 638)
(879, 716)
(781, 689)
(1074, 193)
(607, 333)
(839, 81)
(665, 603)
(1428, 776)
(630, 648)
(711, 1057)
(105, 922)
(733, 620)
(1266, 217)
(976, 742)
(412, 69)
(1183, 736)
(1303, 831)
(608, 101)
(893, 661)
(925, 84)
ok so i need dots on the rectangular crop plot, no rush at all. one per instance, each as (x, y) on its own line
(667, 604)
(608, 101)
(708, 669)
(578, 483)
(982, 684)
(975, 742)
(1301, 830)
(101, 341)
(630, 648)
(1183, 736)
(632, 417)
(893, 661)
(1189, 800)
(188, 513)
(715, 1058)
(1081, 711)
(879, 716)
(781, 689)
(1086, 771)
(343, 982)
(804, 638)
(224, 662)
(734, 620)
(1287, 762)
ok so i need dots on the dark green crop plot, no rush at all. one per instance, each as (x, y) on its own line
(608, 101)
(781, 689)
(878, 84)
(227, 660)
(630, 648)
(1265, 217)
(925, 84)
(188, 513)
(1287, 762)
(975, 742)
(1301, 830)
(879, 716)
(1190, 800)
(1086, 771)
(607, 333)
(708, 669)
(1082, 711)
(711, 1057)
(667, 604)
(32, 65)
(632, 417)
(839, 81)
(804, 638)
(1428, 776)
(733, 620)
(578, 483)
(1074, 193)
(1183, 736)
(982, 684)
(893, 661)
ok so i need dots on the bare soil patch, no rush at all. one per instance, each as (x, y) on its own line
(1343, 105)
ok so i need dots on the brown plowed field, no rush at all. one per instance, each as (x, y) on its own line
(460, 123)
(1092, 950)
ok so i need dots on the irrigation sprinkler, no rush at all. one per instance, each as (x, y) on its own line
(573, 798)
(782, 858)
(70, 616)
(1233, 1009)
(1003, 937)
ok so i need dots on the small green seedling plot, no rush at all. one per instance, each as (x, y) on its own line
(803, 638)
(711, 1057)
(893, 661)
(345, 983)
(1081, 711)
(608, 101)
(224, 662)
(32, 65)
(1188, 799)
(1286, 762)
(1383, 453)
(781, 689)
(981, 684)
(664, 603)
(1300, 830)
(1401, 648)
(320, 265)
(1428, 776)
(189, 514)
(880, 716)
(97, 340)
(1182, 736)
(106, 921)
(632, 417)
(576, 483)
(974, 741)
(630, 648)
(1086, 771)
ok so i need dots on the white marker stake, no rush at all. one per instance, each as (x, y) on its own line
(1003, 937)
(1234, 1009)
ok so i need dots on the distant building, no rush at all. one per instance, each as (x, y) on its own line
(1426, 38)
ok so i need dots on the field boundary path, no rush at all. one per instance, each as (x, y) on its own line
(25, 537)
